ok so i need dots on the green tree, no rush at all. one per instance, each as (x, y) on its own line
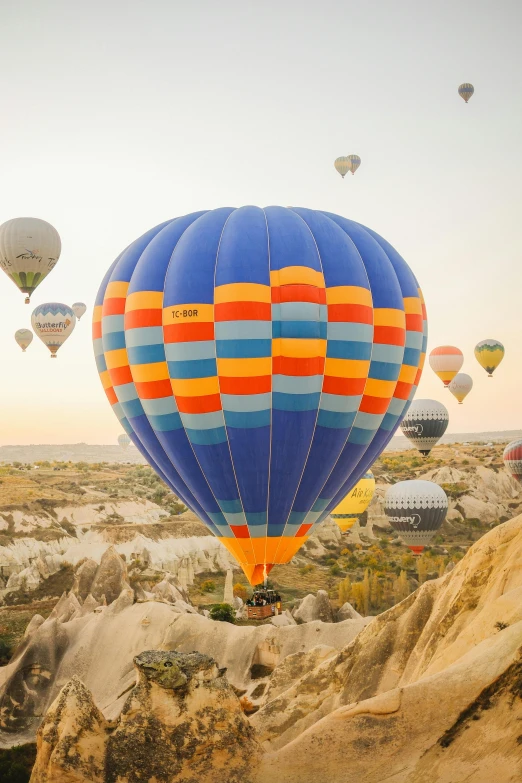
(208, 586)
(223, 612)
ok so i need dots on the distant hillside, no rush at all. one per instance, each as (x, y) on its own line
(83, 452)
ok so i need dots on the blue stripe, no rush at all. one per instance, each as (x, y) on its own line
(247, 420)
(207, 437)
(199, 368)
(243, 349)
(146, 354)
(293, 384)
(295, 402)
(198, 349)
(113, 341)
(384, 371)
(166, 423)
(203, 421)
(411, 357)
(335, 420)
(144, 335)
(246, 402)
(247, 330)
(132, 409)
(340, 349)
(300, 329)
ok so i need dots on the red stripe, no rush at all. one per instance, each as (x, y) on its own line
(240, 531)
(111, 395)
(417, 377)
(298, 293)
(303, 530)
(424, 312)
(134, 319)
(374, 404)
(114, 306)
(257, 384)
(206, 404)
(120, 375)
(96, 330)
(187, 333)
(402, 390)
(514, 453)
(290, 365)
(345, 387)
(151, 390)
(352, 313)
(389, 335)
(414, 322)
(243, 311)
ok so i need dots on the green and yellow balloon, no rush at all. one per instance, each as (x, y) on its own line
(489, 354)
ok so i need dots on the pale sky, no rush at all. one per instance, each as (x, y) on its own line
(118, 115)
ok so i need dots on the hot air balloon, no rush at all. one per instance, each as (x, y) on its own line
(355, 503)
(461, 386)
(79, 309)
(513, 459)
(446, 361)
(53, 323)
(466, 90)
(29, 249)
(489, 354)
(24, 338)
(124, 441)
(354, 163)
(416, 510)
(342, 165)
(425, 424)
(260, 359)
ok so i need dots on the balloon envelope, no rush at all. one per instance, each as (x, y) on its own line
(29, 249)
(513, 459)
(461, 386)
(354, 162)
(446, 361)
(466, 90)
(425, 424)
(53, 323)
(124, 441)
(416, 510)
(260, 359)
(489, 354)
(24, 338)
(355, 503)
(342, 165)
(78, 309)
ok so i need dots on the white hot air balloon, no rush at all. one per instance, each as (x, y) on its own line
(461, 386)
(79, 309)
(415, 510)
(29, 249)
(124, 441)
(53, 323)
(24, 338)
(425, 424)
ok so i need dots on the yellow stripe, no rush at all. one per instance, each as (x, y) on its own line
(97, 314)
(158, 371)
(188, 314)
(346, 368)
(243, 368)
(116, 359)
(299, 348)
(106, 379)
(348, 294)
(293, 275)
(378, 388)
(407, 373)
(386, 316)
(116, 290)
(195, 387)
(412, 305)
(144, 300)
(242, 292)
(446, 375)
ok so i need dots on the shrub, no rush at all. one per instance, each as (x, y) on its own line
(5, 651)
(223, 612)
(335, 570)
(16, 763)
(307, 569)
(208, 586)
(240, 591)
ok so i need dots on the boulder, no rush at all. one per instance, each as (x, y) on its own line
(347, 612)
(84, 576)
(110, 577)
(314, 607)
(285, 618)
(472, 508)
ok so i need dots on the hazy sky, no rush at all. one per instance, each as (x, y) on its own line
(118, 115)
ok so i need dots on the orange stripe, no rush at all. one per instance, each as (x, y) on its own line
(414, 322)
(206, 404)
(113, 307)
(134, 319)
(346, 387)
(186, 333)
(151, 390)
(353, 313)
(254, 385)
(402, 390)
(298, 293)
(111, 395)
(446, 350)
(120, 375)
(374, 404)
(96, 330)
(290, 365)
(243, 311)
(389, 335)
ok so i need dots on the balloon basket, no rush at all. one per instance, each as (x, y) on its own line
(27, 300)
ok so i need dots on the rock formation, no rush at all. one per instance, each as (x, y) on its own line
(314, 607)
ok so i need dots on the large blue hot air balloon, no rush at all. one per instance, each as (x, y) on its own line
(260, 359)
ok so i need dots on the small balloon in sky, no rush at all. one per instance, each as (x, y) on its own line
(461, 386)
(79, 309)
(29, 250)
(124, 441)
(489, 354)
(446, 361)
(416, 510)
(24, 338)
(53, 323)
(425, 424)
(342, 165)
(466, 90)
(354, 163)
